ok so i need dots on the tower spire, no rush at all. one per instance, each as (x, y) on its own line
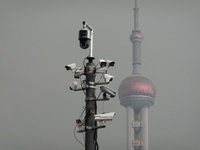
(136, 39)
(136, 16)
(135, 3)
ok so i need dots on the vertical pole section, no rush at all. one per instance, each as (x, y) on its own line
(91, 133)
(144, 119)
(129, 129)
(91, 43)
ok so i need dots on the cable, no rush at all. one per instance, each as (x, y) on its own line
(103, 106)
(100, 77)
(82, 86)
(104, 72)
(76, 127)
(97, 64)
(80, 118)
(77, 138)
(98, 96)
(82, 112)
(95, 133)
(95, 140)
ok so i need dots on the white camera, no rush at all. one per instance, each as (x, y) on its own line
(104, 116)
(108, 91)
(71, 66)
(108, 77)
(78, 72)
(75, 87)
(105, 64)
(110, 63)
(102, 62)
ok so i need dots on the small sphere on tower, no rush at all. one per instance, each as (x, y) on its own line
(136, 36)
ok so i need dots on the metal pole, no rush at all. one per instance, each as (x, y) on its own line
(91, 44)
(91, 36)
(90, 123)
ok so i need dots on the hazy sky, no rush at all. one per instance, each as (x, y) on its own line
(39, 37)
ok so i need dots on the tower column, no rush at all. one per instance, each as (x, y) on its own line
(144, 131)
(136, 57)
(129, 129)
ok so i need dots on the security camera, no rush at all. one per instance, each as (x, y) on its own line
(104, 116)
(78, 72)
(81, 125)
(71, 66)
(84, 38)
(108, 91)
(79, 122)
(108, 77)
(110, 63)
(102, 63)
(101, 70)
(75, 87)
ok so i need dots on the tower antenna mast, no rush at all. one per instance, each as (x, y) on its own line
(135, 3)
(136, 16)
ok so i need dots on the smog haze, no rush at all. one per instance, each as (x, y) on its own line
(39, 37)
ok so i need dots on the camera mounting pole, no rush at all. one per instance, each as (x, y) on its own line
(91, 36)
(91, 106)
(90, 125)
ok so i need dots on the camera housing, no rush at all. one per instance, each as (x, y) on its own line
(71, 66)
(75, 86)
(104, 116)
(78, 72)
(102, 62)
(84, 38)
(108, 91)
(108, 77)
(110, 63)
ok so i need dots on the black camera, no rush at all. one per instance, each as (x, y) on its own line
(84, 38)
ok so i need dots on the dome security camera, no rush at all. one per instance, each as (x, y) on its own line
(84, 38)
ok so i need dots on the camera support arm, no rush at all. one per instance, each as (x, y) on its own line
(85, 25)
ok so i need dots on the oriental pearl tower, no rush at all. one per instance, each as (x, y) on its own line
(136, 94)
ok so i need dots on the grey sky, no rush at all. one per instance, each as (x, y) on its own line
(39, 37)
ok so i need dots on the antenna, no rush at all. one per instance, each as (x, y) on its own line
(136, 16)
(135, 3)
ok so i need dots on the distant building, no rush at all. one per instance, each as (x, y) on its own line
(136, 94)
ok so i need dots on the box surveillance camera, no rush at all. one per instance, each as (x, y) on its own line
(104, 116)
